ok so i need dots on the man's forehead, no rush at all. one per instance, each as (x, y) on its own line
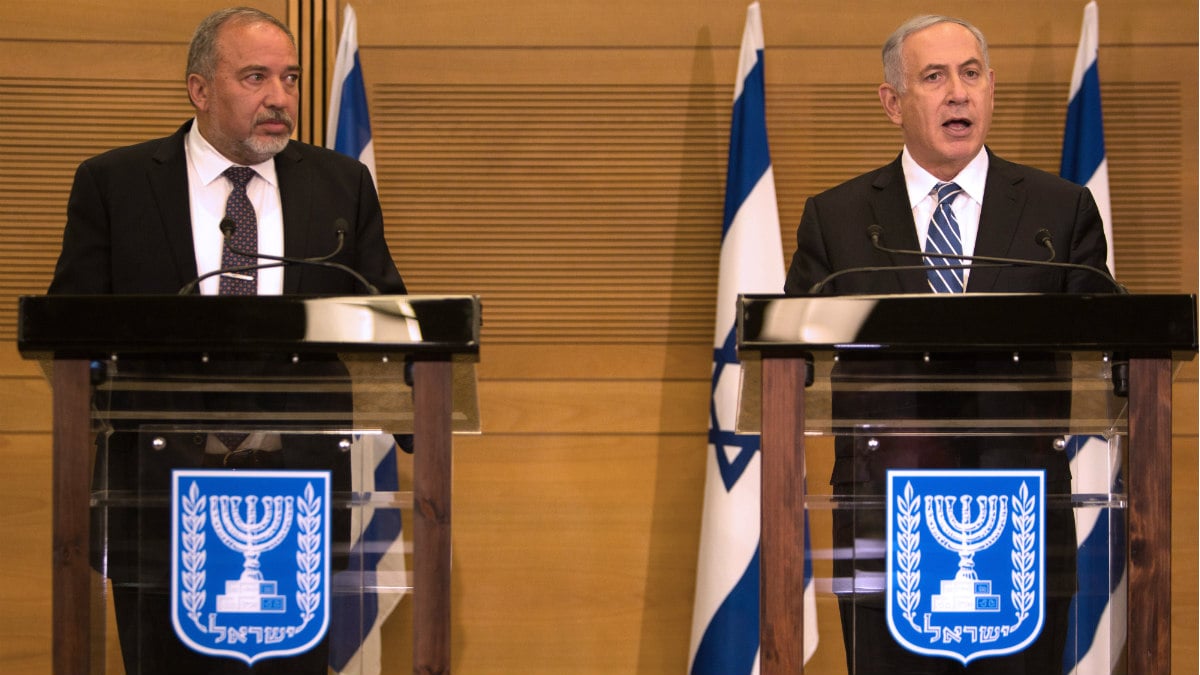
(944, 45)
(237, 37)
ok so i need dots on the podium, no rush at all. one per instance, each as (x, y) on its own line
(142, 386)
(991, 377)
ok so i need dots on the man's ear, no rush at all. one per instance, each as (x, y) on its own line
(890, 99)
(197, 88)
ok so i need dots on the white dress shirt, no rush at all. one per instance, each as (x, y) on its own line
(208, 191)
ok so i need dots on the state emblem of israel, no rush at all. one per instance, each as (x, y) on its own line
(965, 561)
(250, 561)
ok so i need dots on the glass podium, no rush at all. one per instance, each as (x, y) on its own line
(233, 477)
(981, 480)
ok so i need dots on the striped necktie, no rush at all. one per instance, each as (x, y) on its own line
(944, 239)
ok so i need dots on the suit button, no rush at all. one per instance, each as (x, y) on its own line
(158, 443)
(198, 439)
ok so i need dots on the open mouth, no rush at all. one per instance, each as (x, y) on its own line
(957, 124)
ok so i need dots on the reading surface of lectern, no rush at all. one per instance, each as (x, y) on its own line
(156, 383)
(929, 381)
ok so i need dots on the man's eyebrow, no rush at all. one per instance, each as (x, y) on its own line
(973, 61)
(258, 68)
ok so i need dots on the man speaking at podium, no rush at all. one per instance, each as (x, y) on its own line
(945, 195)
(153, 218)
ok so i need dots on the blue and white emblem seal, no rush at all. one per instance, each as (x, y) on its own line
(965, 561)
(250, 561)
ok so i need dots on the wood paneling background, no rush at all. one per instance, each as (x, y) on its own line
(566, 161)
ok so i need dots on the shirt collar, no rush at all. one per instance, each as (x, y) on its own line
(920, 182)
(210, 164)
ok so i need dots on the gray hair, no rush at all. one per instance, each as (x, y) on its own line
(893, 59)
(202, 54)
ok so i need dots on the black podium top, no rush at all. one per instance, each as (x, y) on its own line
(1130, 324)
(99, 326)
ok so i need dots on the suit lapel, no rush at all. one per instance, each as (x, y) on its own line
(1002, 204)
(889, 204)
(295, 193)
(168, 178)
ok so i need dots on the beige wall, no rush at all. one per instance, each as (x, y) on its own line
(565, 160)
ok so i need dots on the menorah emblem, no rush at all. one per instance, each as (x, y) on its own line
(989, 525)
(966, 536)
(251, 536)
(275, 561)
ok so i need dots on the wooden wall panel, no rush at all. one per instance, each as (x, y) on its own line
(25, 548)
(566, 160)
(39, 161)
(632, 24)
(126, 22)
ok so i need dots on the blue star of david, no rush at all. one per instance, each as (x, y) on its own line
(721, 439)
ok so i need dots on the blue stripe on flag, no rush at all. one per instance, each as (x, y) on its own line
(730, 643)
(1083, 137)
(749, 156)
(354, 122)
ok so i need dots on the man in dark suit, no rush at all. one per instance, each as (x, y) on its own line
(144, 220)
(939, 90)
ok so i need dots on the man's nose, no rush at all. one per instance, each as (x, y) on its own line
(278, 93)
(957, 91)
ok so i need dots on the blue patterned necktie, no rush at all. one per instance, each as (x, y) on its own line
(943, 238)
(244, 238)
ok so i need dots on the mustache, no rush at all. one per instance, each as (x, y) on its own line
(276, 116)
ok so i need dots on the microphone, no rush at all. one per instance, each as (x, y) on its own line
(228, 227)
(1042, 238)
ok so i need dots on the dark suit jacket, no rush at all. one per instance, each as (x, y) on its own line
(129, 224)
(1019, 201)
(129, 232)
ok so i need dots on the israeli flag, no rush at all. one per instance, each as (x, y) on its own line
(1084, 160)
(725, 619)
(1097, 631)
(377, 547)
(348, 127)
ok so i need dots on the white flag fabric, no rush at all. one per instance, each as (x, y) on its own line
(725, 619)
(348, 127)
(1097, 630)
(377, 556)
